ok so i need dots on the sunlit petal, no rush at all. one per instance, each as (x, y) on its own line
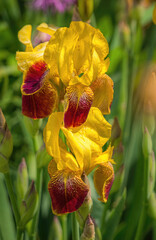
(24, 36)
(103, 93)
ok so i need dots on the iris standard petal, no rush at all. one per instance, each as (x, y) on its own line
(103, 93)
(103, 180)
(24, 36)
(79, 100)
(67, 191)
(43, 27)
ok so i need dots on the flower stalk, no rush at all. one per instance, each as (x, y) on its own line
(75, 227)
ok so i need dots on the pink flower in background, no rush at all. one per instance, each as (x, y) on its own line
(55, 5)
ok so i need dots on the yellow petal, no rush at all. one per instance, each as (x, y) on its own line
(54, 145)
(51, 135)
(100, 44)
(91, 48)
(58, 54)
(43, 27)
(103, 180)
(26, 59)
(40, 47)
(24, 36)
(97, 122)
(86, 141)
(103, 93)
(102, 158)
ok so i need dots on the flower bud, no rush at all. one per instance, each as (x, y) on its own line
(22, 179)
(146, 143)
(151, 173)
(152, 206)
(148, 117)
(116, 130)
(85, 8)
(32, 125)
(89, 230)
(28, 205)
(85, 209)
(6, 144)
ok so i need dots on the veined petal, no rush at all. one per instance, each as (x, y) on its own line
(40, 104)
(103, 180)
(91, 46)
(67, 191)
(43, 27)
(24, 36)
(100, 44)
(58, 53)
(79, 102)
(35, 78)
(103, 93)
(26, 59)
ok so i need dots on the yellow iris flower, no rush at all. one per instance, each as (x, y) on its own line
(66, 188)
(74, 55)
(77, 55)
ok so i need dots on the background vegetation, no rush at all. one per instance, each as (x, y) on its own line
(130, 212)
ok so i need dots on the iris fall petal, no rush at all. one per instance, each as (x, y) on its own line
(67, 191)
(79, 102)
(103, 180)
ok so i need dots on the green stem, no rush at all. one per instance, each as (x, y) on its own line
(124, 88)
(105, 208)
(12, 197)
(154, 230)
(19, 234)
(35, 220)
(64, 226)
(75, 227)
(144, 200)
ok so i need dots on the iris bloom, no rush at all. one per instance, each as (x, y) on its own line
(66, 188)
(77, 55)
(39, 96)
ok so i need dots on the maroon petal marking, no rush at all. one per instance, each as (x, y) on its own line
(79, 102)
(40, 104)
(67, 192)
(35, 78)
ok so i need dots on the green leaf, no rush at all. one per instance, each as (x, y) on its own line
(114, 218)
(7, 228)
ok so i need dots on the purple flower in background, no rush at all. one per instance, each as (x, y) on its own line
(55, 5)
